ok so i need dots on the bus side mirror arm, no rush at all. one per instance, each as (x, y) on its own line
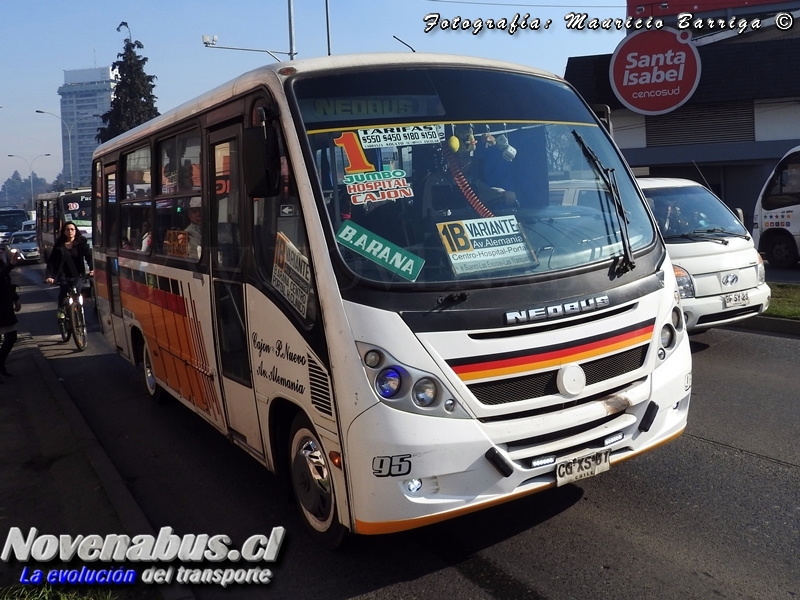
(262, 161)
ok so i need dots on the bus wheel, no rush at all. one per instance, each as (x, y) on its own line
(312, 484)
(156, 391)
(782, 252)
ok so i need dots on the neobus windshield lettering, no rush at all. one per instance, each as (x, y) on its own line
(403, 358)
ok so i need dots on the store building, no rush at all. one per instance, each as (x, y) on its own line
(744, 113)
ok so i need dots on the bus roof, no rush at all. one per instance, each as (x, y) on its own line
(252, 79)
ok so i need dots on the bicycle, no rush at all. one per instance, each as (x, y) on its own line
(72, 323)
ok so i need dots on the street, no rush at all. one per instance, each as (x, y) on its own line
(713, 513)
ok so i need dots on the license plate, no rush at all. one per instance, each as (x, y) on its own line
(737, 299)
(582, 467)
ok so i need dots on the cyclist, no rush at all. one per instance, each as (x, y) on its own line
(67, 261)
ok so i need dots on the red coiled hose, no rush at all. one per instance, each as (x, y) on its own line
(463, 184)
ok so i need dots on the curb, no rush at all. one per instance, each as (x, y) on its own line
(769, 325)
(122, 501)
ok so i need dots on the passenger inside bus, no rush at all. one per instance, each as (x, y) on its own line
(194, 228)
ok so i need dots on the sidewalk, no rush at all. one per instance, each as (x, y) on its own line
(55, 476)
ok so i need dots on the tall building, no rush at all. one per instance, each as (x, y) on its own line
(85, 95)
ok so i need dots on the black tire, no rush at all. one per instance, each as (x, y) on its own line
(64, 327)
(309, 471)
(78, 326)
(782, 252)
(155, 391)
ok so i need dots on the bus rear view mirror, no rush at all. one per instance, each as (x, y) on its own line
(262, 162)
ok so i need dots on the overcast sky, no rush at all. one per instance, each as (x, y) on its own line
(40, 39)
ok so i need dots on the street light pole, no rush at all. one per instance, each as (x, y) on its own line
(69, 139)
(30, 168)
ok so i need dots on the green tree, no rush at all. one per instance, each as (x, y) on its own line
(15, 191)
(133, 102)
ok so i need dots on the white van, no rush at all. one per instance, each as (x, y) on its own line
(776, 229)
(720, 273)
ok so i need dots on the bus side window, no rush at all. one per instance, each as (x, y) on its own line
(281, 246)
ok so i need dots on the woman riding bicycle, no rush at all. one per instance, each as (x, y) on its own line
(67, 261)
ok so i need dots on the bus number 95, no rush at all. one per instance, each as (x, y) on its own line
(391, 466)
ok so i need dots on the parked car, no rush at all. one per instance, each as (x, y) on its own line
(24, 244)
(721, 275)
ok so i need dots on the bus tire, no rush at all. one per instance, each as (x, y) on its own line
(155, 391)
(781, 251)
(309, 471)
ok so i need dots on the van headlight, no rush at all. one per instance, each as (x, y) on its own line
(685, 285)
(762, 273)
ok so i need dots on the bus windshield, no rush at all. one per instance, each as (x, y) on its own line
(78, 209)
(444, 175)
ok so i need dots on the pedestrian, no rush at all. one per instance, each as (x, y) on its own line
(67, 261)
(9, 305)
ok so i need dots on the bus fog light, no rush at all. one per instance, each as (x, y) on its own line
(449, 405)
(388, 382)
(613, 439)
(424, 392)
(413, 485)
(662, 354)
(542, 461)
(372, 358)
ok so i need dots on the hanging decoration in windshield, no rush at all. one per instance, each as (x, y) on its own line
(484, 244)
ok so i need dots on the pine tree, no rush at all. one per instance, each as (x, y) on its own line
(133, 102)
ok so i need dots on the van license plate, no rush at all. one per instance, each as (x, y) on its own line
(737, 299)
(582, 467)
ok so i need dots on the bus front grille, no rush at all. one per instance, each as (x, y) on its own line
(527, 387)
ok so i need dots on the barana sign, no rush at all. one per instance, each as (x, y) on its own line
(380, 251)
(655, 72)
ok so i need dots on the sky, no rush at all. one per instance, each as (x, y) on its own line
(40, 39)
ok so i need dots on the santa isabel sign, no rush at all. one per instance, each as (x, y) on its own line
(655, 72)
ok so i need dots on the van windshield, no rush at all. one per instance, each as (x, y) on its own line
(691, 209)
(445, 175)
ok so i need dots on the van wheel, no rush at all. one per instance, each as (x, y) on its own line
(782, 252)
(312, 484)
(155, 391)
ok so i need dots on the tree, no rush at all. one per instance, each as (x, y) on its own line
(133, 102)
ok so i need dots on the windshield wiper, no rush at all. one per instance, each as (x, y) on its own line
(625, 262)
(703, 235)
(725, 231)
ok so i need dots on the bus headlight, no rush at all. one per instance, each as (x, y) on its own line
(407, 388)
(677, 318)
(667, 336)
(388, 382)
(424, 392)
(685, 285)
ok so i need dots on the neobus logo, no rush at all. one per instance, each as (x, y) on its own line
(557, 310)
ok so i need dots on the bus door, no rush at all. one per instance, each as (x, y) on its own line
(228, 215)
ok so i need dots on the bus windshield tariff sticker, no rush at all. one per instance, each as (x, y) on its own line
(403, 135)
(483, 244)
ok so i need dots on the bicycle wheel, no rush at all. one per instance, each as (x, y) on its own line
(64, 327)
(78, 326)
